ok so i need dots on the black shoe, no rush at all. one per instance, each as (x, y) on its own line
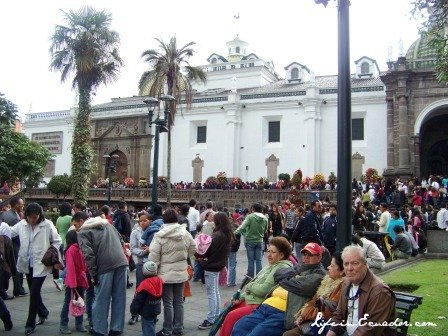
(29, 331)
(162, 333)
(133, 320)
(114, 333)
(94, 333)
(205, 325)
(177, 333)
(7, 297)
(21, 293)
(42, 319)
(7, 322)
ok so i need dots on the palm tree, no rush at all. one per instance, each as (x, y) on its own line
(87, 48)
(8, 111)
(170, 68)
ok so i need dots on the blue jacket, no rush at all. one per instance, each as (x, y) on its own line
(392, 223)
(311, 231)
(150, 231)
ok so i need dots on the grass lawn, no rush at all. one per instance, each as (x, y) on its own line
(432, 278)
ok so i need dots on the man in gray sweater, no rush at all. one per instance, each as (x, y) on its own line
(102, 247)
(402, 247)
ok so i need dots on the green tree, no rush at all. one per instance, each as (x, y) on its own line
(21, 158)
(434, 14)
(8, 111)
(169, 67)
(87, 48)
(60, 185)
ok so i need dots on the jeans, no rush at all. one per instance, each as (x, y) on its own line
(173, 307)
(90, 297)
(197, 271)
(149, 326)
(254, 253)
(111, 291)
(232, 269)
(213, 296)
(64, 311)
(298, 247)
(265, 320)
(37, 306)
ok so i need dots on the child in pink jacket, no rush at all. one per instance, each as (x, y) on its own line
(75, 279)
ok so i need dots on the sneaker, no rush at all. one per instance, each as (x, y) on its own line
(162, 333)
(231, 285)
(65, 330)
(177, 333)
(80, 328)
(205, 325)
(133, 319)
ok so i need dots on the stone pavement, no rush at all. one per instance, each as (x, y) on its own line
(195, 307)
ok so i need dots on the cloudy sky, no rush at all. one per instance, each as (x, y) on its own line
(282, 31)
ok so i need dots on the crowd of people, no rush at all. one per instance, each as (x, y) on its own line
(303, 280)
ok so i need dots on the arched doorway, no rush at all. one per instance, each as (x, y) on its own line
(121, 165)
(434, 144)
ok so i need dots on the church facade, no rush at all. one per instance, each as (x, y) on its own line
(249, 122)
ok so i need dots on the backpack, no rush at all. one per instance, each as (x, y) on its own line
(117, 222)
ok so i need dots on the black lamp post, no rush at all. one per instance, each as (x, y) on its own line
(110, 162)
(160, 127)
(344, 190)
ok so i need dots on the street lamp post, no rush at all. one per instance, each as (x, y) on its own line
(160, 127)
(110, 161)
(344, 191)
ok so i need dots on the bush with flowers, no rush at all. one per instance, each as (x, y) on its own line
(296, 180)
(371, 175)
(318, 181)
(142, 183)
(101, 183)
(262, 181)
(221, 177)
(128, 182)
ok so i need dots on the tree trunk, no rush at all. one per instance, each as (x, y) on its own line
(82, 152)
(168, 170)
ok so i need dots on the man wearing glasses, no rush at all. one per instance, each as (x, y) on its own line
(367, 302)
(301, 281)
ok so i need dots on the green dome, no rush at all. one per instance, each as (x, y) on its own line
(420, 54)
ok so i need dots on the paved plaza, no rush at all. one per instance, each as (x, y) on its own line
(195, 307)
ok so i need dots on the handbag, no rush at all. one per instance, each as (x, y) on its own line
(223, 277)
(77, 306)
(51, 257)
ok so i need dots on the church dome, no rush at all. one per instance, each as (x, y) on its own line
(421, 53)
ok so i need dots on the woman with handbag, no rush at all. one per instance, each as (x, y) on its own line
(75, 284)
(36, 235)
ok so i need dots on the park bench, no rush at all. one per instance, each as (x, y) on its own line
(404, 305)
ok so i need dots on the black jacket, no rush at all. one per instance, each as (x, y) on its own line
(215, 259)
(311, 232)
(126, 228)
(147, 299)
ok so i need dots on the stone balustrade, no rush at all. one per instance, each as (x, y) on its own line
(226, 198)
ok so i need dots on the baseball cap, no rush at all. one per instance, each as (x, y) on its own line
(313, 248)
(149, 268)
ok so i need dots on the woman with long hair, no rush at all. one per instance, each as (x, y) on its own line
(213, 261)
(36, 234)
(359, 221)
(276, 220)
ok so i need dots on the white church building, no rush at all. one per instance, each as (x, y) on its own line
(248, 121)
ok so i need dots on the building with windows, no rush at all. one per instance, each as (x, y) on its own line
(250, 121)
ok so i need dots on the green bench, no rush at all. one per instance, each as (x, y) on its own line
(404, 305)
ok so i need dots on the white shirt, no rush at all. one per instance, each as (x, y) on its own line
(193, 218)
(353, 309)
(442, 218)
(383, 223)
(371, 249)
(5, 229)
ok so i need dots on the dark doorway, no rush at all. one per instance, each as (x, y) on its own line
(434, 146)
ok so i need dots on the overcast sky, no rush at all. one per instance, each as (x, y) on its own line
(283, 31)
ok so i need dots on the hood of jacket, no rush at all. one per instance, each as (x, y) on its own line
(172, 230)
(152, 285)
(97, 223)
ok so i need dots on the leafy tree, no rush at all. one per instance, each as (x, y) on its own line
(60, 185)
(169, 67)
(435, 20)
(8, 111)
(87, 48)
(21, 158)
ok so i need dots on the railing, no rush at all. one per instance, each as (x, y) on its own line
(227, 198)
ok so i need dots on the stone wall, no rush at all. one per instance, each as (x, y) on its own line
(437, 241)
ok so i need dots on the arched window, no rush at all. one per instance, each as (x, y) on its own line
(237, 50)
(365, 68)
(214, 60)
(295, 73)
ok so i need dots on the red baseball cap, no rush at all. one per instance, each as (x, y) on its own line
(313, 248)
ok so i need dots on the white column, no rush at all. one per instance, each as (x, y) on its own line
(233, 151)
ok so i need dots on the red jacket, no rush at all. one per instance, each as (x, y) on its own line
(76, 268)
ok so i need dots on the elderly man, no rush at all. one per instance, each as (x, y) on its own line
(301, 281)
(367, 302)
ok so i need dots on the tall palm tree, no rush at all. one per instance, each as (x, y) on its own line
(169, 67)
(86, 48)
